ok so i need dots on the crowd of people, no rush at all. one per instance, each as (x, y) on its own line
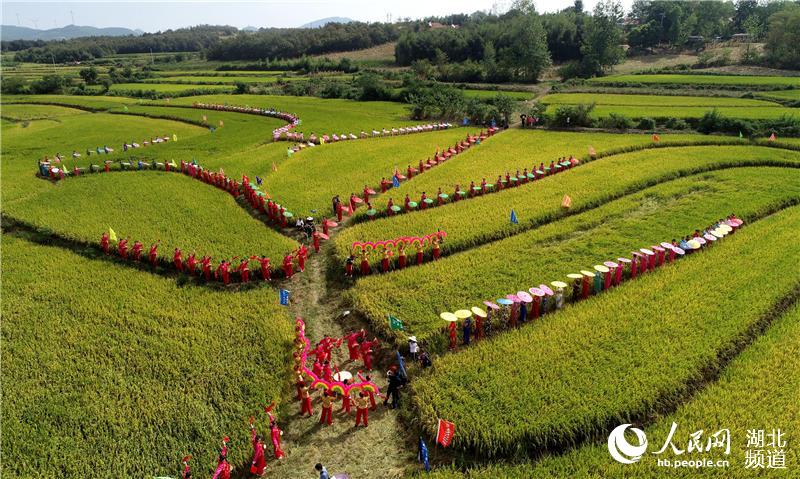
(258, 463)
(291, 119)
(55, 168)
(518, 308)
(364, 250)
(301, 141)
(227, 271)
(484, 187)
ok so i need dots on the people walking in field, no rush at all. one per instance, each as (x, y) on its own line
(205, 264)
(136, 251)
(177, 259)
(258, 463)
(305, 401)
(122, 248)
(288, 266)
(276, 433)
(153, 254)
(327, 409)
(104, 243)
(362, 412)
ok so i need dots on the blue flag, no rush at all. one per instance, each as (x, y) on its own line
(284, 295)
(258, 180)
(395, 182)
(514, 218)
(422, 455)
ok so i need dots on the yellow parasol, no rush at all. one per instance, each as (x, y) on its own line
(449, 317)
(478, 312)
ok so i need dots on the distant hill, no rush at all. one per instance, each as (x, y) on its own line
(13, 32)
(249, 29)
(325, 21)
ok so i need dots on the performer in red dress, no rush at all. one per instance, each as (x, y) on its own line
(177, 259)
(137, 250)
(258, 464)
(191, 264)
(244, 270)
(122, 248)
(104, 243)
(288, 267)
(205, 264)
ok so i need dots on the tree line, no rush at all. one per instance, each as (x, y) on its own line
(89, 48)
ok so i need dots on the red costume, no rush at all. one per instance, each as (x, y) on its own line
(302, 254)
(288, 267)
(352, 343)
(276, 432)
(191, 264)
(258, 463)
(362, 414)
(177, 259)
(137, 250)
(315, 237)
(122, 248)
(206, 264)
(451, 328)
(153, 254)
(366, 353)
(244, 270)
(305, 403)
(585, 286)
(104, 243)
(222, 270)
(339, 212)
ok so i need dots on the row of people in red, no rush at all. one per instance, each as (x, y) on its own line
(202, 266)
(258, 463)
(386, 261)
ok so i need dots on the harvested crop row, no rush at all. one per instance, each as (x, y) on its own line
(578, 242)
(485, 219)
(560, 380)
(100, 361)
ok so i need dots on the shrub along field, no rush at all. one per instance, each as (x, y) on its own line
(484, 219)
(665, 106)
(167, 88)
(734, 80)
(605, 360)
(763, 377)
(550, 252)
(109, 371)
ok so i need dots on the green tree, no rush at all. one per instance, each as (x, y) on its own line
(783, 38)
(505, 106)
(527, 55)
(89, 75)
(602, 47)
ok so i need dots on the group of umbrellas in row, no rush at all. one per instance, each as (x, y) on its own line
(538, 300)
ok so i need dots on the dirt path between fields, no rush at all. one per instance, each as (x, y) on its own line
(381, 450)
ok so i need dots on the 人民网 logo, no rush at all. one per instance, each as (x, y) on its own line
(621, 450)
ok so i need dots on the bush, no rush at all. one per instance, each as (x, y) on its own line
(574, 115)
(616, 121)
(242, 88)
(13, 86)
(49, 84)
(710, 122)
(676, 124)
(646, 124)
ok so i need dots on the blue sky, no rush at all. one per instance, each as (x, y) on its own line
(152, 16)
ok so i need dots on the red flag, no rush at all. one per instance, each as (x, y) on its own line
(772, 137)
(566, 202)
(656, 138)
(445, 433)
